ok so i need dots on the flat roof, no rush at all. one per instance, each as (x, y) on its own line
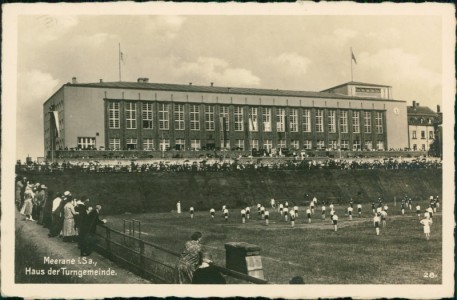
(356, 83)
(219, 90)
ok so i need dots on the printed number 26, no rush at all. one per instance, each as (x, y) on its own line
(430, 275)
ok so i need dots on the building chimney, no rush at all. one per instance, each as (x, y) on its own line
(190, 83)
(212, 83)
(73, 80)
(414, 104)
(142, 80)
(417, 104)
(438, 109)
(101, 80)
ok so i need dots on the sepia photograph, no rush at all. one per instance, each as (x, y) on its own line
(149, 148)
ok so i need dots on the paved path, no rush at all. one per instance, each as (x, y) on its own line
(57, 249)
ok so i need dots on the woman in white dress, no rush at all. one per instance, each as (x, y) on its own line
(27, 207)
(426, 223)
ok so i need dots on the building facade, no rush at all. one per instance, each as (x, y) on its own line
(150, 116)
(422, 122)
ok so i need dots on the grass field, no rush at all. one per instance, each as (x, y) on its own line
(353, 255)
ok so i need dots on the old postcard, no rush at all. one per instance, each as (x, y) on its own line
(297, 150)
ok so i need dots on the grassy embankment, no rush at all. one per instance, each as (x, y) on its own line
(159, 192)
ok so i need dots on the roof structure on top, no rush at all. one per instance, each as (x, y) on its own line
(356, 83)
(217, 89)
(420, 110)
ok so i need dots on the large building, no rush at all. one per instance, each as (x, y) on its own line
(151, 116)
(422, 124)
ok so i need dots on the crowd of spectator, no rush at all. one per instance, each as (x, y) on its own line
(72, 218)
(228, 165)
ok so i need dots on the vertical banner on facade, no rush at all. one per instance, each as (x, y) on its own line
(251, 124)
(56, 121)
(224, 128)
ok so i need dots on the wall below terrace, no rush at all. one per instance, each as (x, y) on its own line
(159, 192)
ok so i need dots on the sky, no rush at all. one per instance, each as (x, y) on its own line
(295, 52)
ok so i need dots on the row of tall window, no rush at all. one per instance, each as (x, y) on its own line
(284, 122)
(423, 134)
(195, 144)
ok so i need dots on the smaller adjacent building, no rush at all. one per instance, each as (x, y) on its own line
(422, 124)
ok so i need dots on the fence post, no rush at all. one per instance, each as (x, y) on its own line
(108, 242)
(124, 232)
(142, 266)
(139, 229)
(244, 258)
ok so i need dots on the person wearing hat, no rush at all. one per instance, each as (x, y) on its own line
(27, 207)
(207, 273)
(69, 213)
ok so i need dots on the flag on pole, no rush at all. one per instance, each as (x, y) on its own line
(353, 57)
(56, 120)
(122, 56)
(55, 116)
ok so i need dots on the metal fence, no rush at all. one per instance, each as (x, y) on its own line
(149, 260)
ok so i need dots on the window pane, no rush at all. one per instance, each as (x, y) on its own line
(179, 116)
(194, 117)
(319, 120)
(164, 117)
(306, 120)
(238, 115)
(209, 118)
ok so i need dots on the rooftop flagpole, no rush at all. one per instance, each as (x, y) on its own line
(352, 59)
(120, 58)
(352, 78)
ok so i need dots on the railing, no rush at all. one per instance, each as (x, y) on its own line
(150, 260)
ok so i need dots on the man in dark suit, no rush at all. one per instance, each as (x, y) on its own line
(88, 229)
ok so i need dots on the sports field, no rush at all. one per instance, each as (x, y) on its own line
(352, 255)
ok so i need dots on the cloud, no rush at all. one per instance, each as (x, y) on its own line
(43, 29)
(34, 87)
(212, 69)
(291, 63)
(338, 38)
(165, 26)
(93, 40)
(385, 35)
(342, 35)
(405, 69)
